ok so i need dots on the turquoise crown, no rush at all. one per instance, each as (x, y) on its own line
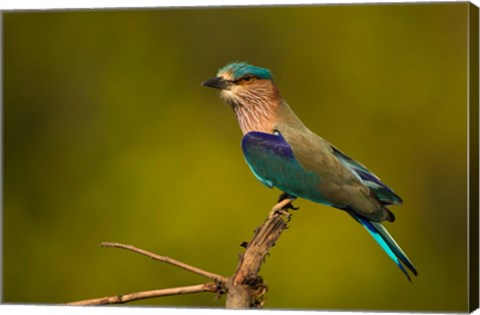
(239, 69)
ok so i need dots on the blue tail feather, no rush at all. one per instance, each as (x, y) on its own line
(388, 244)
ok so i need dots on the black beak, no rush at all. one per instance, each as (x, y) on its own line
(217, 83)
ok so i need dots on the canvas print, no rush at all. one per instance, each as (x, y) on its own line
(310, 157)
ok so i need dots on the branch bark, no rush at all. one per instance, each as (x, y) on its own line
(246, 288)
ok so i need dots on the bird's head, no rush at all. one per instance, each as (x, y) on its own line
(242, 84)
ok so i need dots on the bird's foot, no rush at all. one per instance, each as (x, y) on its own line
(283, 205)
(284, 196)
(288, 206)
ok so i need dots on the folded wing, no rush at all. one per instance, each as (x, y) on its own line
(381, 191)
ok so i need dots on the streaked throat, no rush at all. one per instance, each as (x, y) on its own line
(254, 115)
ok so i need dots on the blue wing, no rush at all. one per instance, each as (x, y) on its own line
(382, 191)
(272, 161)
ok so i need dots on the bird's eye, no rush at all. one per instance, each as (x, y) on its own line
(248, 78)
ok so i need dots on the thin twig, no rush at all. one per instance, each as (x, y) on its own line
(123, 298)
(167, 260)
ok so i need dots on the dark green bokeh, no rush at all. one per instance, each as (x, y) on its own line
(108, 136)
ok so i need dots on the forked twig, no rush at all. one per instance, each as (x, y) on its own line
(245, 288)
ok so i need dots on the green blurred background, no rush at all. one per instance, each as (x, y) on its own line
(108, 136)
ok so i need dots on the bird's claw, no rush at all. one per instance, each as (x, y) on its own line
(288, 206)
(283, 205)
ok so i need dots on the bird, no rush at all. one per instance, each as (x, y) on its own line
(282, 152)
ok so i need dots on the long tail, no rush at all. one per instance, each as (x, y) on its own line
(386, 241)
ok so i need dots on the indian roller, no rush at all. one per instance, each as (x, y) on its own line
(282, 152)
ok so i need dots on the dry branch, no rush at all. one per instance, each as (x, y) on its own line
(245, 289)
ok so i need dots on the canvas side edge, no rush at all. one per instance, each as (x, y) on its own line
(473, 157)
